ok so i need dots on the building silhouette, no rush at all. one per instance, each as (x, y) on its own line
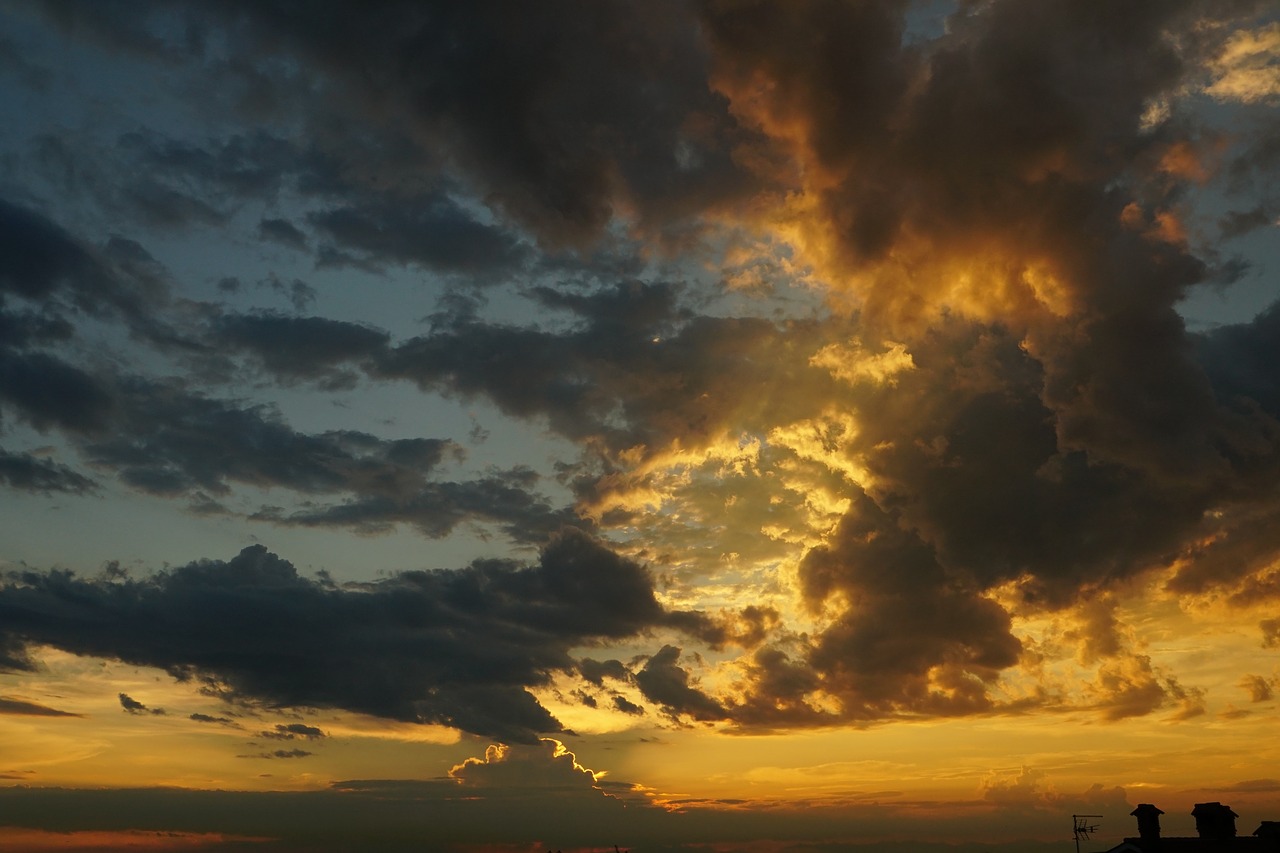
(1215, 833)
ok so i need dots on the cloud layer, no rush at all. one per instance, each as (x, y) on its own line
(867, 334)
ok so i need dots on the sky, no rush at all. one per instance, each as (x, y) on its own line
(782, 426)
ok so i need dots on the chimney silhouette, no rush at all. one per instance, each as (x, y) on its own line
(1214, 820)
(1269, 833)
(1148, 821)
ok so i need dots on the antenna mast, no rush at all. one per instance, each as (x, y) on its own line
(1080, 827)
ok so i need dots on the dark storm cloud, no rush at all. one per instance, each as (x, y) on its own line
(555, 113)
(22, 707)
(558, 115)
(453, 647)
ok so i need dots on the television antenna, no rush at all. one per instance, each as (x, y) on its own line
(1080, 827)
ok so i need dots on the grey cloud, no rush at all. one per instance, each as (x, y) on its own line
(558, 116)
(299, 348)
(596, 671)
(159, 438)
(1237, 223)
(279, 753)
(453, 647)
(238, 166)
(133, 706)
(48, 392)
(284, 232)
(42, 263)
(169, 442)
(290, 731)
(1240, 359)
(23, 329)
(634, 370)
(34, 474)
(505, 499)
(158, 206)
(432, 231)
(664, 681)
(554, 113)
(14, 63)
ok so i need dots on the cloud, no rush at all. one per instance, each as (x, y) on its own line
(284, 232)
(634, 371)
(663, 681)
(504, 499)
(23, 707)
(1236, 357)
(432, 231)
(998, 411)
(279, 753)
(133, 706)
(291, 731)
(33, 474)
(1248, 67)
(168, 441)
(299, 348)
(546, 764)
(45, 264)
(1259, 689)
(460, 648)
(596, 671)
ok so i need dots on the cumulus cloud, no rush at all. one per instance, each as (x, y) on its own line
(461, 647)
